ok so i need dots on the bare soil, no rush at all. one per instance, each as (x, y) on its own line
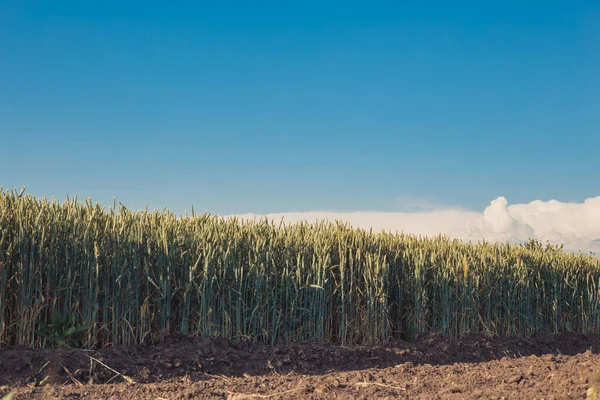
(561, 366)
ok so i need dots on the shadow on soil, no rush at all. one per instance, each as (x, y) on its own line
(198, 358)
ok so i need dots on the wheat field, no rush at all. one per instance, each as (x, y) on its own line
(82, 275)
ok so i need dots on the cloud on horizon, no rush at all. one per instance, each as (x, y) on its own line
(575, 225)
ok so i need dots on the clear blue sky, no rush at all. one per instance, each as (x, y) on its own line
(237, 106)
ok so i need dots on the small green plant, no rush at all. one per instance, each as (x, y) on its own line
(62, 331)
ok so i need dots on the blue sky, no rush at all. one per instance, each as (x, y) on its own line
(260, 107)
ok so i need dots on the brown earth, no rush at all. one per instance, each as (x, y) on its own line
(561, 366)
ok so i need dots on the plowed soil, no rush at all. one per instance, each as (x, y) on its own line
(562, 366)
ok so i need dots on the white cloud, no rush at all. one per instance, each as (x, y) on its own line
(575, 225)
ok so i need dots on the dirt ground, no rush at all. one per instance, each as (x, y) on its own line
(562, 366)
